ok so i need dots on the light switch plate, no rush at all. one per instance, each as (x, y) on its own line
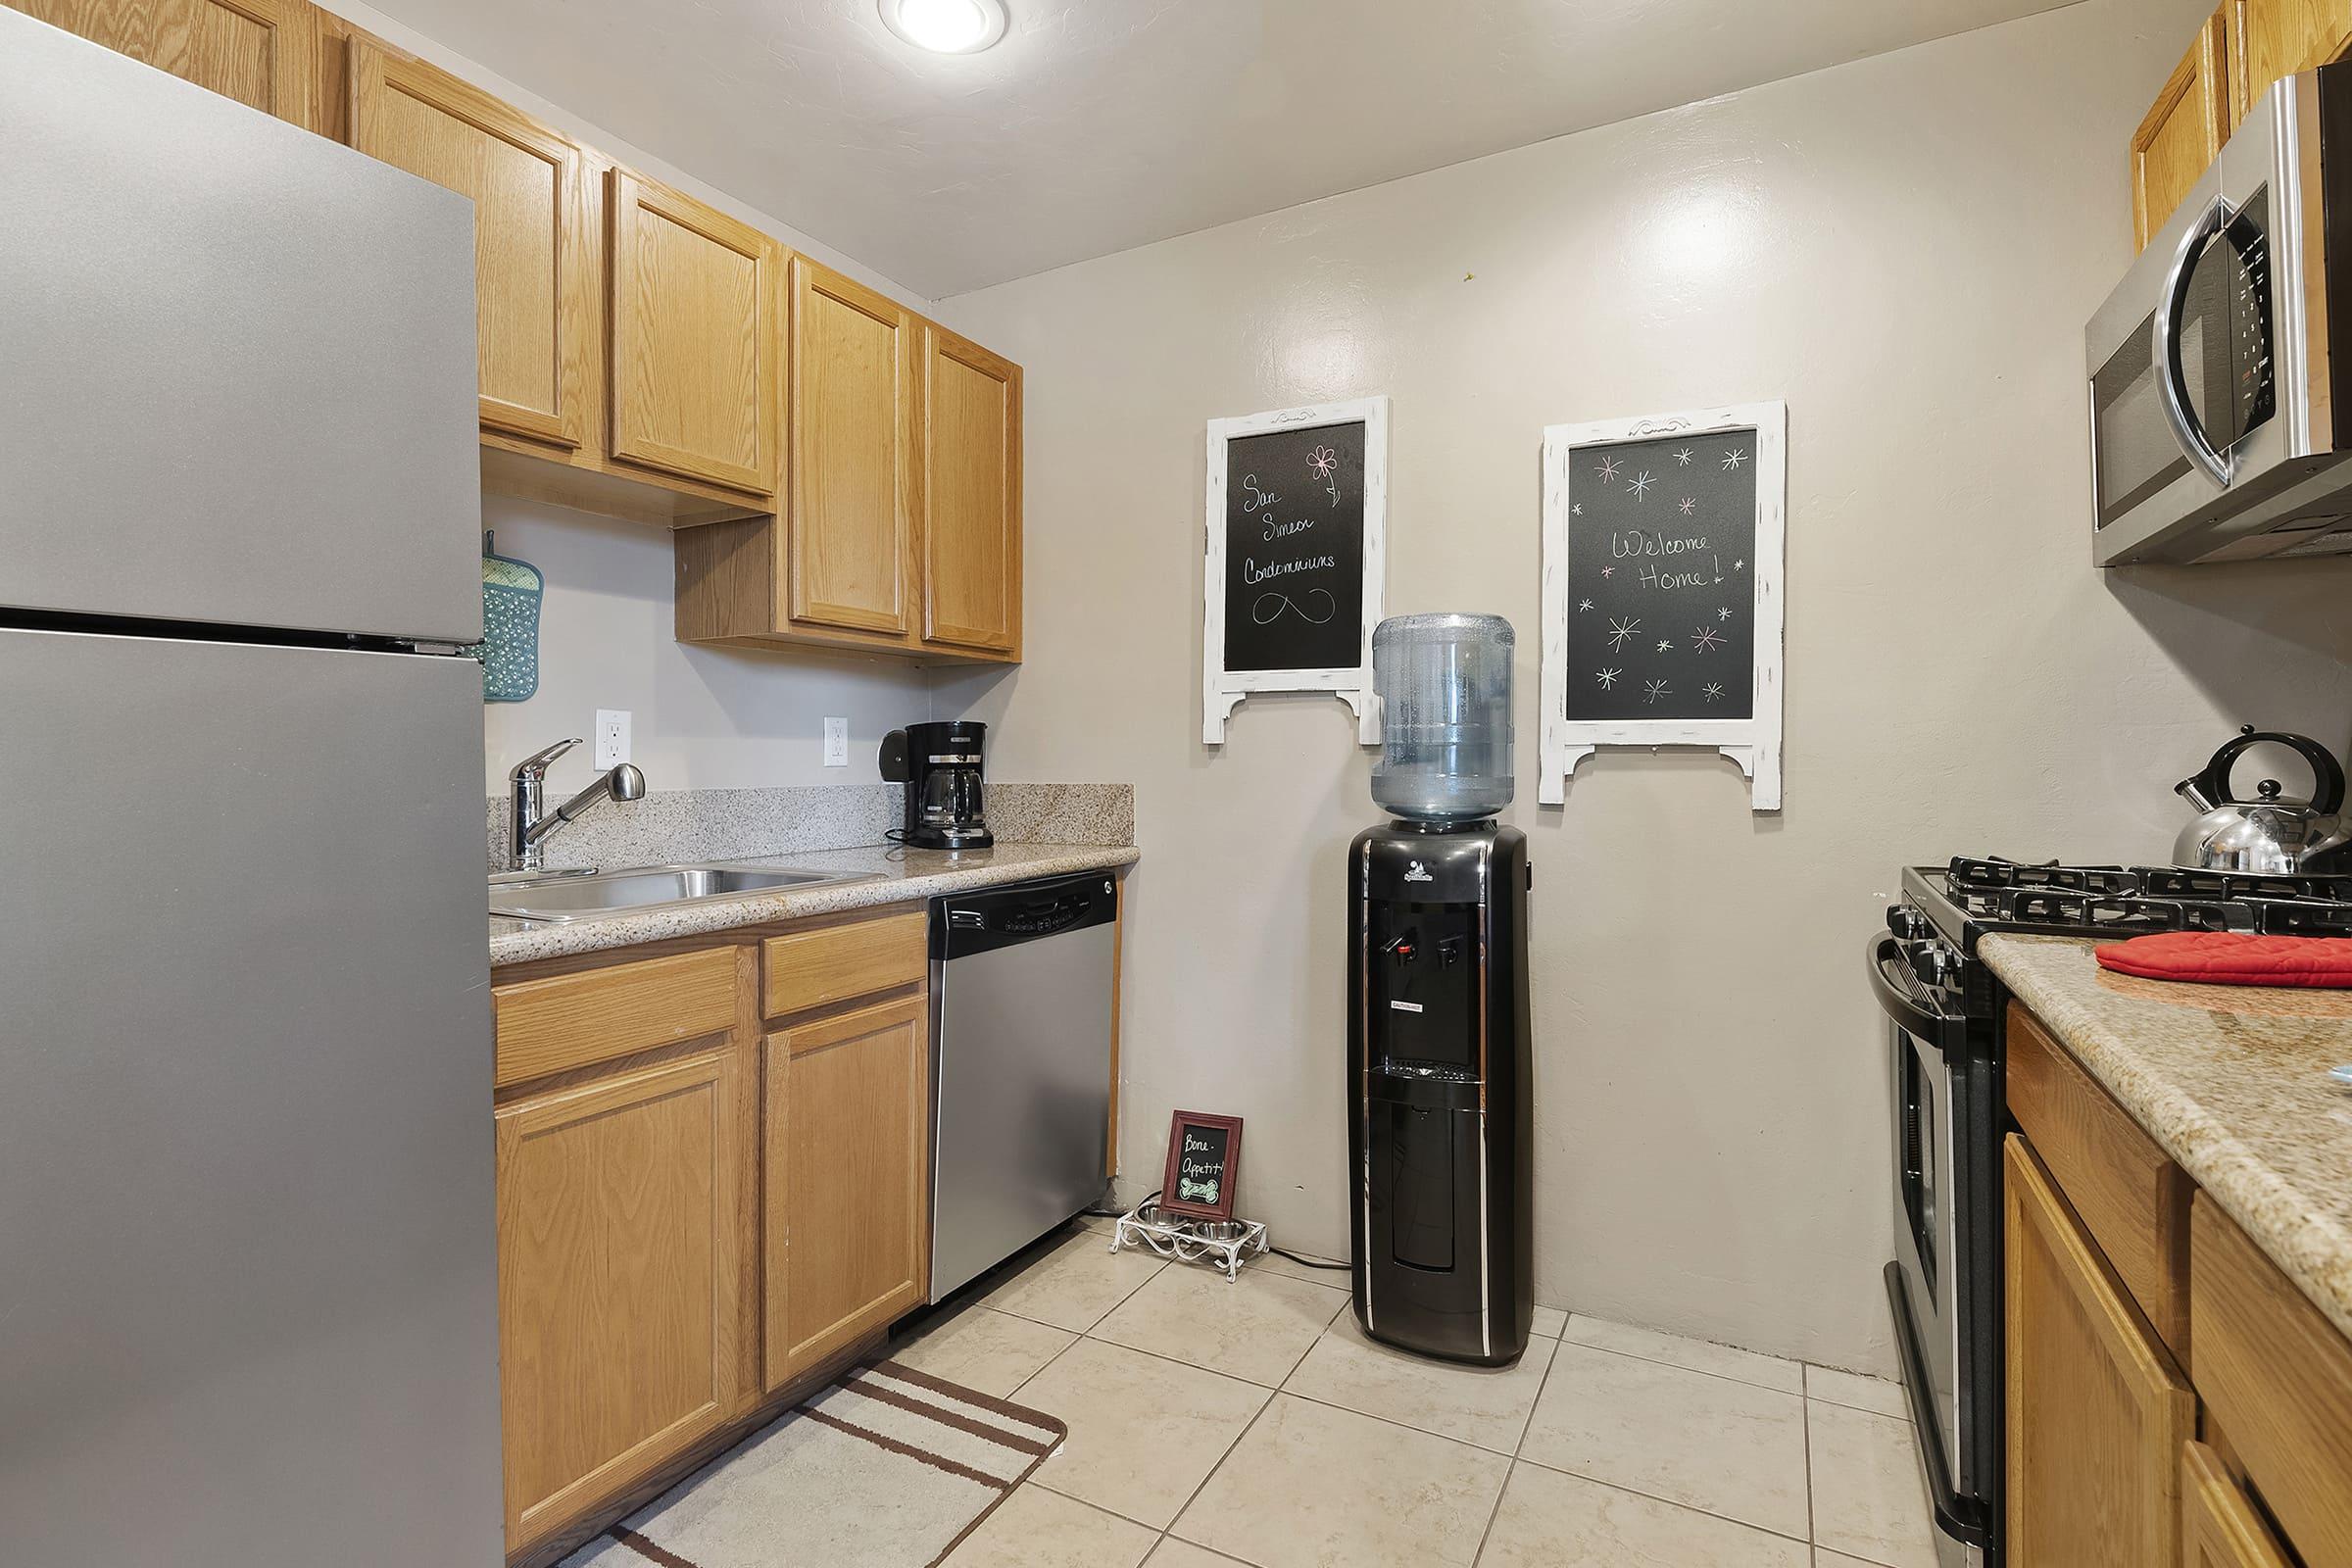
(837, 743)
(611, 737)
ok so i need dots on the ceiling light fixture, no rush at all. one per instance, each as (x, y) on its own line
(946, 27)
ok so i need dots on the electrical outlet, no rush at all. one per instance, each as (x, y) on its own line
(611, 737)
(837, 743)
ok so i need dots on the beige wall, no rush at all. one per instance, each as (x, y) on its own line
(703, 719)
(1905, 249)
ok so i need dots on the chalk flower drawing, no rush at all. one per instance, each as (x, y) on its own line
(1607, 471)
(1584, 604)
(1621, 632)
(1688, 505)
(1706, 639)
(1734, 458)
(1322, 460)
(1713, 690)
(1607, 678)
(1683, 456)
(1639, 488)
(1652, 690)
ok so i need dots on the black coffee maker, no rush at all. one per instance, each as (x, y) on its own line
(940, 765)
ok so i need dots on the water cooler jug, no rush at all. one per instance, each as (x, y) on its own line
(1437, 1040)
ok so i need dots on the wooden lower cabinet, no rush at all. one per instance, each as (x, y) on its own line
(848, 1180)
(2218, 1525)
(619, 1270)
(2097, 1410)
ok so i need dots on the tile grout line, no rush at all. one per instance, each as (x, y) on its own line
(1670, 1502)
(1229, 1448)
(1725, 1376)
(1812, 1528)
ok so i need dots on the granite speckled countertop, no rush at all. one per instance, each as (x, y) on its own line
(895, 875)
(2231, 1080)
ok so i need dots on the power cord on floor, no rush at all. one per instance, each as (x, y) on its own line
(1295, 1257)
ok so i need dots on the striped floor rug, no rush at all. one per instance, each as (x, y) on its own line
(887, 1468)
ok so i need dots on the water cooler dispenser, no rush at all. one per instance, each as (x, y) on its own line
(1438, 1040)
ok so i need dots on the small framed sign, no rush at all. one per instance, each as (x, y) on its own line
(1662, 560)
(1204, 1160)
(1297, 519)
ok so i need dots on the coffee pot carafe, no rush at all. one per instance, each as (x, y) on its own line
(940, 763)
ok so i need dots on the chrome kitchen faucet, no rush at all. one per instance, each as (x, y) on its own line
(528, 828)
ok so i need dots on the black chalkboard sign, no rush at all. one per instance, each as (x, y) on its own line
(1661, 591)
(1204, 1160)
(1294, 589)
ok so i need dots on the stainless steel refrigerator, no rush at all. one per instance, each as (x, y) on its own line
(248, 1305)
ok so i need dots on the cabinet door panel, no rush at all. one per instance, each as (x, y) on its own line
(694, 337)
(2219, 1527)
(852, 415)
(971, 496)
(848, 1185)
(2097, 1409)
(2183, 132)
(263, 53)
(619, 1269)
(531, 233)
(2274, 38)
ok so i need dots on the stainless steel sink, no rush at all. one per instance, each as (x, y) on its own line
(556, 895)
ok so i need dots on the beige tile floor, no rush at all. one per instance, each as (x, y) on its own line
(1252, 1423)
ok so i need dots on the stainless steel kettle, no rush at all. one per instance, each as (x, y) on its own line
(2265, 836)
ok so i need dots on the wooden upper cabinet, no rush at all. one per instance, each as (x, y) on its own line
(263, 53)
(2183, 130)
(848, 1180)
(971, 496)
(2219, 1525)
(695, 337)
(2098, 1411)
(620, 1268)
(851, 486)
(2274, 38)
(533, 238)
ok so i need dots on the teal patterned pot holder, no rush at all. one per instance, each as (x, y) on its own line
(510, 648)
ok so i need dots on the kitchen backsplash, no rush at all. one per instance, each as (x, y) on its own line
(684, 825)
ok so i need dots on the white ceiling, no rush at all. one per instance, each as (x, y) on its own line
(1099, 125)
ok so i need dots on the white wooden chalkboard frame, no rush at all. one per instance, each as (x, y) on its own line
(1754, 743)
(1222, 690)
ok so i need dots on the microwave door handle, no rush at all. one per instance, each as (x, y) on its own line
(2172, 311)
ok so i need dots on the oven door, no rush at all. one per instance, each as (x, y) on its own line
(1927, 1279)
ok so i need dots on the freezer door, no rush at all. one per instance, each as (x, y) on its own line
(236, 361)
(246, 1201)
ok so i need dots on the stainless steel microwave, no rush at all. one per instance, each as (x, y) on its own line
(2215, 431)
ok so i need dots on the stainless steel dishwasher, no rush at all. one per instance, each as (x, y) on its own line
(1021, 1066)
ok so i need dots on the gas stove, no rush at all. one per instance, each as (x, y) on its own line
(1971, 898)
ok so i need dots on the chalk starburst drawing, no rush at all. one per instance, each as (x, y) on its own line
(1607, 471)
(1608, 572)
(1706, 639)
(1584, 604)
(1652, 690)
(1683, 456)
(1665, 647)
(1576, 508)
(1638, 488)
(1734, 458)
(1621, 631)
(1686, 505)
(1740, 564)
(1712, 691)
(1607, 678)
(1322, 460)
(1723, 615)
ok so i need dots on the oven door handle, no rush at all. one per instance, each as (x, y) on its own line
(2172, 378)
(1896, 997)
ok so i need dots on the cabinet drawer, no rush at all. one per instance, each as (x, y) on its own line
(2278, 1377)
(815, 968)
(2132, 1198)
(571, 1020)
(2219, 1527)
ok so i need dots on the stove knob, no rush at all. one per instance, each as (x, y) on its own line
(1935, 964)
(1906, 923)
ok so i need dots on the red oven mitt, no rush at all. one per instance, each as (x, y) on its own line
(2234, 958)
